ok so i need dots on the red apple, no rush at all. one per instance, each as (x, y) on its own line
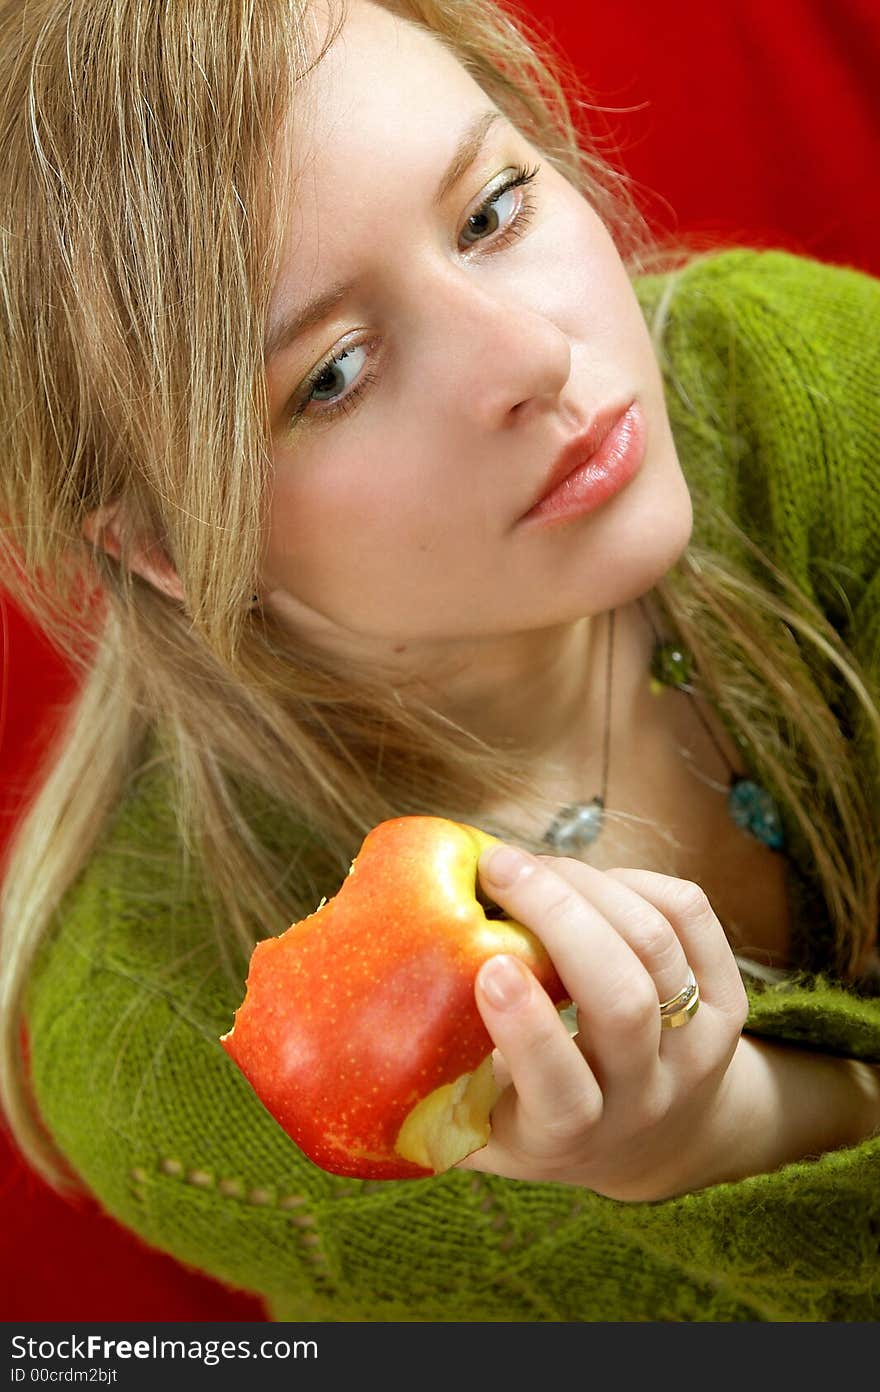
(359, 1030)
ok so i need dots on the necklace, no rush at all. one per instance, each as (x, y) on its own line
(749, 804)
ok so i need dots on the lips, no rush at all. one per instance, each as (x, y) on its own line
(579, 451)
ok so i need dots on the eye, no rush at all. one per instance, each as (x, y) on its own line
(502, 209)
(338, 383)
(330, 380)
(335, 384)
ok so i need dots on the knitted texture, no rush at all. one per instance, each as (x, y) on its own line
(128, 998)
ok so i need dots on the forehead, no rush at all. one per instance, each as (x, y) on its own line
(386, 99)
(383, 82)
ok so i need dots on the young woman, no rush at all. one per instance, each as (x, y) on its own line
(413, 478)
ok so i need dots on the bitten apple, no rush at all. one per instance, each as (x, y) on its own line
(359, 1029)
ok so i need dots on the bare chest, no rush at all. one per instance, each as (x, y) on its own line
(684, 829)
(667, 810)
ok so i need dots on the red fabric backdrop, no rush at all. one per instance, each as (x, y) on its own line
(754, 123)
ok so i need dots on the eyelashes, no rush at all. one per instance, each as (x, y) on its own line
(514, 226)
(326, 369)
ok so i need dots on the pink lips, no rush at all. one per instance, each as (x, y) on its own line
(593, 466)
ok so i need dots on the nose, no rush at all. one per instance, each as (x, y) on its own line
(508, 361)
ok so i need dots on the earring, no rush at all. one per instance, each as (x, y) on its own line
(255, 599)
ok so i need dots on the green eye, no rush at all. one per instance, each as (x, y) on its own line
(329, 380)
(487, 221)
(489, 217)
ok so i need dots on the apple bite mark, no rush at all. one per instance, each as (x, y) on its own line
(359, 1030)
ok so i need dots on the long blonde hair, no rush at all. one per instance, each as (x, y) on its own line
(137, 178)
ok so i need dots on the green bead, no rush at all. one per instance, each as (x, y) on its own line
(671, 665)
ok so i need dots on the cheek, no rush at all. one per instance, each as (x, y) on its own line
(591, 279)
(359, 504)
(323, 486)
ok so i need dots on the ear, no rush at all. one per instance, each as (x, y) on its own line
(147, 559)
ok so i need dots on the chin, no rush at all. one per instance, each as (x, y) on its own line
(642, 543)
(656, 530)
(667, 546)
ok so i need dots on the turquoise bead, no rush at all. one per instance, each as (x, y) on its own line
(753, 809)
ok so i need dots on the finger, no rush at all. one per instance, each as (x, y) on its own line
(556, 1091)
(639, 920)
(704, 942)
(616, 998)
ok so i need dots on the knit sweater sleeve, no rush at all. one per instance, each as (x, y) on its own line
(129, 995)
(125, 1011)
(772, 367)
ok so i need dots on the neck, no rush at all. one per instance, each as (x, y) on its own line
(527, 690)
(545, 695)
(540, 694)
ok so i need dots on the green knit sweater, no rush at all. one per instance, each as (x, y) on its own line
(128, 998)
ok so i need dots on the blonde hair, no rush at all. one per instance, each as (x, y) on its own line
(129, 195)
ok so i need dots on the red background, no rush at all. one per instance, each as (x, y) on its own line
(755, 123)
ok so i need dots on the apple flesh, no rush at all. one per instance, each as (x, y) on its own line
(359, 1030)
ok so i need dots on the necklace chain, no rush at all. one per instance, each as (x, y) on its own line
(749, 804)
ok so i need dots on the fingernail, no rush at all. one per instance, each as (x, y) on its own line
(505, 864)
(504, 982)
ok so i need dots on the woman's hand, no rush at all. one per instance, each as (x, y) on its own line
(626, 1108)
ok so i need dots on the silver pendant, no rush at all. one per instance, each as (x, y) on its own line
(576, 826)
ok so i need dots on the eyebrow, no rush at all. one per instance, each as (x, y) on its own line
(313, 311)
(466, 151)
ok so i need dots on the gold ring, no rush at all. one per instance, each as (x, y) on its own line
(682, 1006)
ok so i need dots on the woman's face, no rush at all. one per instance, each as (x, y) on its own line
(415, 420)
